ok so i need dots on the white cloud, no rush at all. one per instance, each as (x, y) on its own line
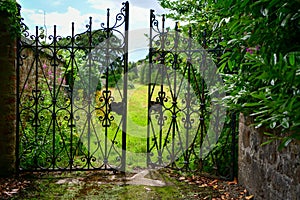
(148, 4)
(63, 21)
(138, 16)
(139, 10)
(145, 4)
(103, 5)
(138, 25)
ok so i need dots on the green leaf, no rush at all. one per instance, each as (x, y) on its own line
(245, 2)
(295, 136)
(231, 41)
(267, 142)
(222, 67)
(251, 104)
(230, 65)
(286, 141)
(225, 55)
(260, 95)
(223, 43)
(285, 124)
(292, 59)
(259, 113)
(273, 125)
(269, 134)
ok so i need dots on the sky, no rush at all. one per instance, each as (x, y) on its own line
(47, 13)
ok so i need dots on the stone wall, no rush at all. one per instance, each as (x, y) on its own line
(29, 65)
(7, 99)
(266, 172)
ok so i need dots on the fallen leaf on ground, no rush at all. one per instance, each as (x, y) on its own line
(203, 185)
(249, 197)
(234, 182)
(213, 182)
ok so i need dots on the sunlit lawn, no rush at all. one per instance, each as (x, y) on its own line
(136, 133)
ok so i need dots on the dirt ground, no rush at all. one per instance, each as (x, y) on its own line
(145, 184)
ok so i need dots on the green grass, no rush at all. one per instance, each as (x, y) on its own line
(94, 185)
(137, 124)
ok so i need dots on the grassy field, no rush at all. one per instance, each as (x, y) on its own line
(136, 141)
(111, 145)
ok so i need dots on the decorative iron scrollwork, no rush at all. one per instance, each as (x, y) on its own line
(64, 106)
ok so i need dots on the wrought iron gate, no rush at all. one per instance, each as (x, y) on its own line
(70, 119)
(184, 121)
(65, 106)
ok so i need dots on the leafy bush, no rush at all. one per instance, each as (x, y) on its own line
(261, 68)
(260, 64)
(47, 138)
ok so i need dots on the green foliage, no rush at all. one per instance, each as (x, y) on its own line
(220, 158)
(9, 10)
(260, 64)
(264, 62)
(45, 136)
(144, 73)
(202, 19)
(90, 63)
(133, 71)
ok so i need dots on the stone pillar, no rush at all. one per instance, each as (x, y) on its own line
(7, 99)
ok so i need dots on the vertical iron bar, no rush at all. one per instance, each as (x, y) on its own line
(124, 125)
(188, 120)
(233, 143)
(161, 67)
(106, 87)
(54, 97)
(202, 101)
(89, 92)
(71, 98)
(36, 91)
(204, 39)
(174, 114)
(149, 86)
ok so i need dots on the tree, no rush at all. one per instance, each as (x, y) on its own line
(90, 45)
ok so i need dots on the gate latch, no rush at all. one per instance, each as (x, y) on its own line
(116, 107)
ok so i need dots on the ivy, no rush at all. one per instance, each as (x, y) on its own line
(9, 10)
